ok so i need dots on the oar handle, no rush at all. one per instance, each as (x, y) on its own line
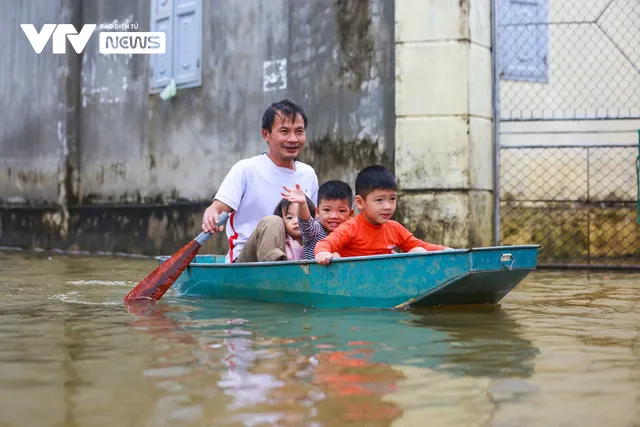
(202, 237)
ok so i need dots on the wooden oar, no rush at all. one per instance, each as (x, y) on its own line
(160, 280)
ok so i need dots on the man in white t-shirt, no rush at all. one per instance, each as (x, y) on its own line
(253, 187)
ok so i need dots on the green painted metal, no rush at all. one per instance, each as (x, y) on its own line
(452, 277)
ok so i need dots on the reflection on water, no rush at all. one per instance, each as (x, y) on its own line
(339, 363)
(563, 349)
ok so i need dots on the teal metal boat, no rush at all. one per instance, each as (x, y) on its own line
(442, 278)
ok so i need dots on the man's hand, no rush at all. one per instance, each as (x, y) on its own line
(324, 258)
(211, 216)
(295, 195)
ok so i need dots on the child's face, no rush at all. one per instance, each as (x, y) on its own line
(378, 207)
(332, 213)
(291, 222)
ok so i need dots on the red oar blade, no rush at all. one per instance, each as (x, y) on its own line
(160, 280)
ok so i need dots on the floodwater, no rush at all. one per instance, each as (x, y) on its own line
(562, 350)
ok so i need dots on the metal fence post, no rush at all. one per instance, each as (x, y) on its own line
(495, 87)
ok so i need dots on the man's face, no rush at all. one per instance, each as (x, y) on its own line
(285, 139)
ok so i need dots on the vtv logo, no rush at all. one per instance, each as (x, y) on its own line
(60, 33)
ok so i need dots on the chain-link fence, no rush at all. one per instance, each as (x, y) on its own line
(578, 203)
(569, 108)
(569, 59)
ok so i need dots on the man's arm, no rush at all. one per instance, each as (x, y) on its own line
(227, 199)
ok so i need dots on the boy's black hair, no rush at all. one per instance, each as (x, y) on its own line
(375, 177)
(286, 108)
(282, 208)
(335, 190)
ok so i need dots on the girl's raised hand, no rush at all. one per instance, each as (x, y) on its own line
(295, 195)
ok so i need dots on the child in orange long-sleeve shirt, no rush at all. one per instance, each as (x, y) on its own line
(372, 232)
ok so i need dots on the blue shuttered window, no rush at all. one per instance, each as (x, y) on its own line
(181, 21)
(187, 37)
(524, 40)
(162, 65)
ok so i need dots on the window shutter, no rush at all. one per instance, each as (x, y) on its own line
(187, 40)
(524, 40)
(161, 64)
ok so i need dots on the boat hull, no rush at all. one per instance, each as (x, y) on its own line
(452, 277)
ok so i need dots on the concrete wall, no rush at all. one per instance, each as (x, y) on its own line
(32, 112)
(136, 147)
(84, 133)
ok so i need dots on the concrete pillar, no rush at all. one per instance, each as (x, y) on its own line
(444, 139)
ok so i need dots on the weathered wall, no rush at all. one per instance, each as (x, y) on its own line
(32, 113)
(114, 112)
(133, 228)
(136, 147)
(130, 155)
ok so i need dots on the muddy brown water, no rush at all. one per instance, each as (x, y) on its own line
(563, 349)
